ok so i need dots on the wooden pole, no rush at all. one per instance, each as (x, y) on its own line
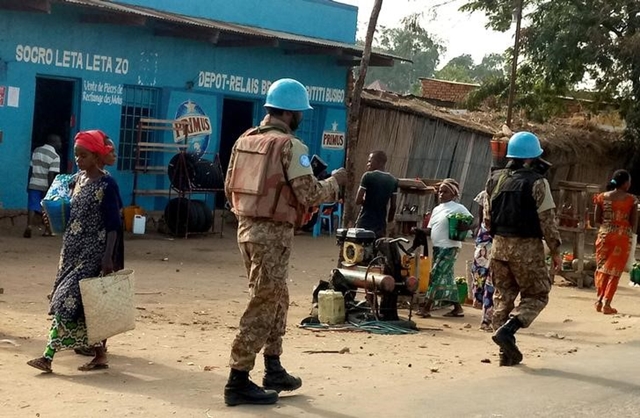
(514, 64)
(353, 120)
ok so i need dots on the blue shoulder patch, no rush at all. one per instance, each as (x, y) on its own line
(304, 161)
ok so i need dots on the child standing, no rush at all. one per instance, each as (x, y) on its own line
(88, 249)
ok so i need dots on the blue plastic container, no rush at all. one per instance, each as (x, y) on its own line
(57, 212)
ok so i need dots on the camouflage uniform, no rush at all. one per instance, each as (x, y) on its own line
(518, 264)
(266, 246)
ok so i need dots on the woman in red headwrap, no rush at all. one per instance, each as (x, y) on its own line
(89, 248)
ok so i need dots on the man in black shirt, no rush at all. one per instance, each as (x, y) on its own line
(377, 195)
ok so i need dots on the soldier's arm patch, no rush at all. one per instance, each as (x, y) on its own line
(300, 163)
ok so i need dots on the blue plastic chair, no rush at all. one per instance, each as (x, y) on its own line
(336, 210)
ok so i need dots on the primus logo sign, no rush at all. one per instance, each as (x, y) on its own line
(198, 130)
(333, 139)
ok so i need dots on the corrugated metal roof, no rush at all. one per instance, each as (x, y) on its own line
(232, 28)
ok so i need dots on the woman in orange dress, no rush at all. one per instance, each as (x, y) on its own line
(617, 214)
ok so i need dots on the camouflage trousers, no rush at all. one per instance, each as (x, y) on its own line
(530, 280)
(264, 321)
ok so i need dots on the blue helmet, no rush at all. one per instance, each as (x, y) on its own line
(524, 145)
(288, 94)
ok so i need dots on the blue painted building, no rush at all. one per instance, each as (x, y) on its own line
(70, 65)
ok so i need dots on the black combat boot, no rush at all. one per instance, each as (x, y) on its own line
(276, 377)
(505, 360)
(241, 390)
(505, 337)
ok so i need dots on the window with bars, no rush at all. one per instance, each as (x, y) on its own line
(138, 102)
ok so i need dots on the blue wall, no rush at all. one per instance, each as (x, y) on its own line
(114, 57)
(316, 18)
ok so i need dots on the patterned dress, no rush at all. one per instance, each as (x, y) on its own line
(443, 289)
(482, 282)
(613, 243)
(95, 211)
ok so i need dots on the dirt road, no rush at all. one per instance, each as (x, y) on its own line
(190, 296)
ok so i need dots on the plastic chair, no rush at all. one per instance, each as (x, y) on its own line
(333, 209)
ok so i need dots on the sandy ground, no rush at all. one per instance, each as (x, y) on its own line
(174, 364)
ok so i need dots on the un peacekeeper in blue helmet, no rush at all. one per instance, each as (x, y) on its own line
(270, 185)
(519, 212)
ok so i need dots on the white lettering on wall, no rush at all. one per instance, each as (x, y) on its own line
(250, 85)
(102, 93)
(71, 59)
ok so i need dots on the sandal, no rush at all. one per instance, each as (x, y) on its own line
(608, 310)
(598, 306)
(42, 364)
(91, 366)
(27, 233)
(85, 351)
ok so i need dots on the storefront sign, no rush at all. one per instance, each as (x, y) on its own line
(256, 86)
(72, 59)
(198, 130)
(333, 139)
(99, 93)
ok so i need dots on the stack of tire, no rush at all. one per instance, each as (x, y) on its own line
(183, 215)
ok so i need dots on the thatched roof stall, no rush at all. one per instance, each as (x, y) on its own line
(422, 141)
(579, 150)
(425, 141)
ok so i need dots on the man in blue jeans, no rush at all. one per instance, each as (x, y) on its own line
(377, 195)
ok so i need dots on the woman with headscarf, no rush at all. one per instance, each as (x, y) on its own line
(617, 214)
(442, 287)
(89, 248)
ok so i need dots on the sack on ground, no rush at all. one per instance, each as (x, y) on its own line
(108, 305)
(632, 253)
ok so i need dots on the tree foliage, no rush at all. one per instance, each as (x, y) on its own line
(410, 41)
(463, 69)
(567, 42)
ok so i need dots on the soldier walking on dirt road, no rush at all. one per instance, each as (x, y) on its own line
(270, 185)
(519, 213)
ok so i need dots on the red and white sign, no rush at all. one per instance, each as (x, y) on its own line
(3, 93)
(333, 140)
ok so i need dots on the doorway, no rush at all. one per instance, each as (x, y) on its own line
(237, 117)
(53, 114)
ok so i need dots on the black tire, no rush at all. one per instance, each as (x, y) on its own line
(205, 175)
(175, 216)
(206, 216)
(183, 216)
(182, 171)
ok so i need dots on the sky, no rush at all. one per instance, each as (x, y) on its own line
(461, 33)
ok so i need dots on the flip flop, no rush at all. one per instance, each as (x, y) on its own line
(91, 366)
(454, 315)
(85, 351)
(41, 364)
